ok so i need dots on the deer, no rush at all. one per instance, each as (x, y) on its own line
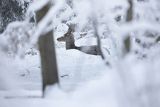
(68, 38)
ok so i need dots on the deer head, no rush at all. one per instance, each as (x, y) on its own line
(68, 38)
(68, 34)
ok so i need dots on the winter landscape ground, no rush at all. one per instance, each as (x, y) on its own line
(107, 53)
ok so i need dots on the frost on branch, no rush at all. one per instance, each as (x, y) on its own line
(17, 37)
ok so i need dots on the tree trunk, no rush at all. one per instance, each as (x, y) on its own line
(48, 59)
(47, 53)
(129, 17)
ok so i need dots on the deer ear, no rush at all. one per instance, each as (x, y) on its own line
(68, 24)
(71, 26)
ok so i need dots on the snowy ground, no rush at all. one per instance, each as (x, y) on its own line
(76, 69)
(85, 81)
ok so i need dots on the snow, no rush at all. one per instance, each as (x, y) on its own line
(99, 86)
(76, 68)
(45, 21)
(85, 80)
(76, 72)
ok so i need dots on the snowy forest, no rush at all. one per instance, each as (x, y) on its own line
(80, 53)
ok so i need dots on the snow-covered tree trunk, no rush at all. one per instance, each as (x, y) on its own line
(47, 53)
(129, 17)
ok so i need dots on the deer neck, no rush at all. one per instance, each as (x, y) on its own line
(70, 42)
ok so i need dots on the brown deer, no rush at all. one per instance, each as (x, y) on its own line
(68, 38)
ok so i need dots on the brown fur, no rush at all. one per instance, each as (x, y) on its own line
(70, 43)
